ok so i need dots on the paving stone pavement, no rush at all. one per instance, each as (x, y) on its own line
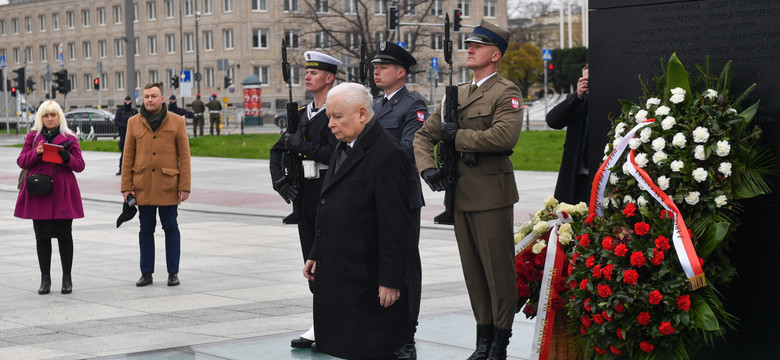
(242, 294)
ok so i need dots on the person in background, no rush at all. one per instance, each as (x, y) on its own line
(53, 213)
(574, 182)
(157, 171)
(214, 114)
(124, 113)
(198, 108)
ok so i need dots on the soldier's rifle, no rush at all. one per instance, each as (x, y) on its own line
(364, 66)
(291, 164)
(446, 154)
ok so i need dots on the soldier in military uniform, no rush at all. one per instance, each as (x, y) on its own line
(314, 143)
(488, 126)
(401, 113)
(198, 108)
(214, 114)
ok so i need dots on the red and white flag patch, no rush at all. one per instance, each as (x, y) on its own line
(420, 116)
(515, 103)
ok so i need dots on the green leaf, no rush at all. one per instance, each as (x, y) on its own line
(714, 235)
(749, 113)
(702, 314)
(676, 76)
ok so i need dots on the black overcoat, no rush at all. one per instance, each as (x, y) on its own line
(361, 242)
(570, 114)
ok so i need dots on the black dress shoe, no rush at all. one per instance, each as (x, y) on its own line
(406, 352)
(301, 343)
(67, 284)
(45, 284)
(146, 279)
(173, 279)
(119, 173)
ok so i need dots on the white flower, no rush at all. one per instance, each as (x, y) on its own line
(700, 135)
(613, 179)
(663, 182)
(641, 160)
(567, 208)
(659, 144)
(550, 201)
(698, 152)
(699, 174)
(723, 148)
(606, 149)
(679, 140)
(721, 200)
(581, 208)
(641, 115)
(692, 198)
(634, 143)
(626, 168)
(732, 110)
(711, 94)
(668, 122)
(538, 247)
(565, 234)
(619, 129)
(659, 157)
(541, 227)
(641, 201)
(652, 101)
(605, 203)
(616, 142)
(524, 230)
(725, 169)
(662, 110)
(678, 95)
(678, 91)
(677, 165)
(628, 199)
(614, 202)
(645, 134)
(518, 236)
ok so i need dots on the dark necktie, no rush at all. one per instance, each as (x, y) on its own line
(472, 89)
(384, 100)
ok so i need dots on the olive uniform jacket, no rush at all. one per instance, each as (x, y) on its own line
(156, 165)
(490, 121)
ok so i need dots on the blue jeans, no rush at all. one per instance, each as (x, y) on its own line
(147, 216)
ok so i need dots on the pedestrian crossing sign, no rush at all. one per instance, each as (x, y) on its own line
(546, 54)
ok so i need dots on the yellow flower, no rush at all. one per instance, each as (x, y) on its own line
(550, 201)
(541, 227)
(538, 247)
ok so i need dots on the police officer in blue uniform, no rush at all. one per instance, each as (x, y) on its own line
(314, 143)
(401, 113)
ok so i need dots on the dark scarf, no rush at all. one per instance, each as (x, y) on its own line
(49, 135)
(154, 120)
(344, 148)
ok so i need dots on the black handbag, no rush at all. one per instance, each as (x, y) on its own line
(39, 184)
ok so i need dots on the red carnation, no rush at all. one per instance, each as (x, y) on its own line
(584, 240)
(701, 261)
(586, 321)
(531, 274)
(529, 310)
(557, 303)
(615, 350)
(559, 284)
(646, 346)
(589, 219)
(662, 243)
(599, 350)
(621, 250)
(666, 328)
(584, 284)
(598, 319)
(607, 317)
(643, 318)
(590, 261)
(630, 277)
(619, 334)
(597, 272)
(523, 290)
(629, 210)
(637, 259)
(604, 290)
(574, 258)
(586, 304)
(666, 213)
(569, 269)
(655, 297)
(620, 308)
(572, 284)
(658, 257)
(641, 228)
(607, 271)
(583, 331)
(607, 243)
(538, 260)
(684, 302)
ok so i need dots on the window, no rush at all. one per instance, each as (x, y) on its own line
(42, 51)
(28, 24)
(410, 6)
(153, 76)
(135, 12)
(85, 18)
(353, 40)
(227, 38)
(2, 27)
(207, 7)
(410, 38)
(292, 37)
(55, 21)
(87, 46)
(169, 75)
(437, 41)
(188, 8)
(260, 38)
(411, 78)
(70, 18)
(119, 78)
(119, 48)
(170, 43)
(71, 51)
(464, 74)
(295, 75)
(322, 6)
(462, 41)
(437, 8)
(42, 23)
(55, 51)
(46, 85)
(259, 5)
(209, 77)
(208, 40)
(323, 39)
(151, 10)
(465, 7)
(188, 43)
(490, 9)
(103, 81)
(291, 5)
(353, 74)
(262, 73)
(102, 49)
(379, 7)
(227, 5)
(379, 35)
(169, 9)
(28, 54)
(152, 41)
(101, 16)
(138, 80)
(15, 25)
(74, 84)
(16, 56)
(350, 6)
(118, 14)
(137, 47)
(88, 85)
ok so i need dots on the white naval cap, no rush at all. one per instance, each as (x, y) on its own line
(318, 60)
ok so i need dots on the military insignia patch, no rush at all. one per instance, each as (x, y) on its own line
(515, 103)
(308, 56)
(382, 46)
(420, 116)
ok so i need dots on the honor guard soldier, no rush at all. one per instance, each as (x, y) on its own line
(314, 144)
(401, 113)
(215, 109)
(490, 116)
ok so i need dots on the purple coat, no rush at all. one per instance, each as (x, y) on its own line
(64, 202)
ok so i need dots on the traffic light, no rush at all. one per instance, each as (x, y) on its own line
(96, 82)
(175, 81)
(61, 82)
(457, 13)
(550, 72)
(392, 18)
(19, 75)
(228, 81)
(13, 91)
(30, 85)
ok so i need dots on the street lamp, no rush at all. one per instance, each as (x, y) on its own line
(197, 47)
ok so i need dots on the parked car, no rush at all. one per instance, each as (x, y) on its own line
(92, 123)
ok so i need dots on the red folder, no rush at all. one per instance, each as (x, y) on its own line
(51, 153)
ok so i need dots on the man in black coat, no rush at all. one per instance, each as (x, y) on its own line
(573, 179)
(124, 113)
(358, 262)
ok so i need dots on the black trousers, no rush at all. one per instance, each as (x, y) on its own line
(45, 230)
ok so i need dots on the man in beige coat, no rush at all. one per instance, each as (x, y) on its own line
(490, 117)
(156, 171)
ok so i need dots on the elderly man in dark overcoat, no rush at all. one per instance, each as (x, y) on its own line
(358, 262)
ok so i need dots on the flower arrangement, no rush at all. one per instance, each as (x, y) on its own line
(679, 161)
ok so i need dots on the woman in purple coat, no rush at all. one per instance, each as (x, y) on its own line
(53, 213)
